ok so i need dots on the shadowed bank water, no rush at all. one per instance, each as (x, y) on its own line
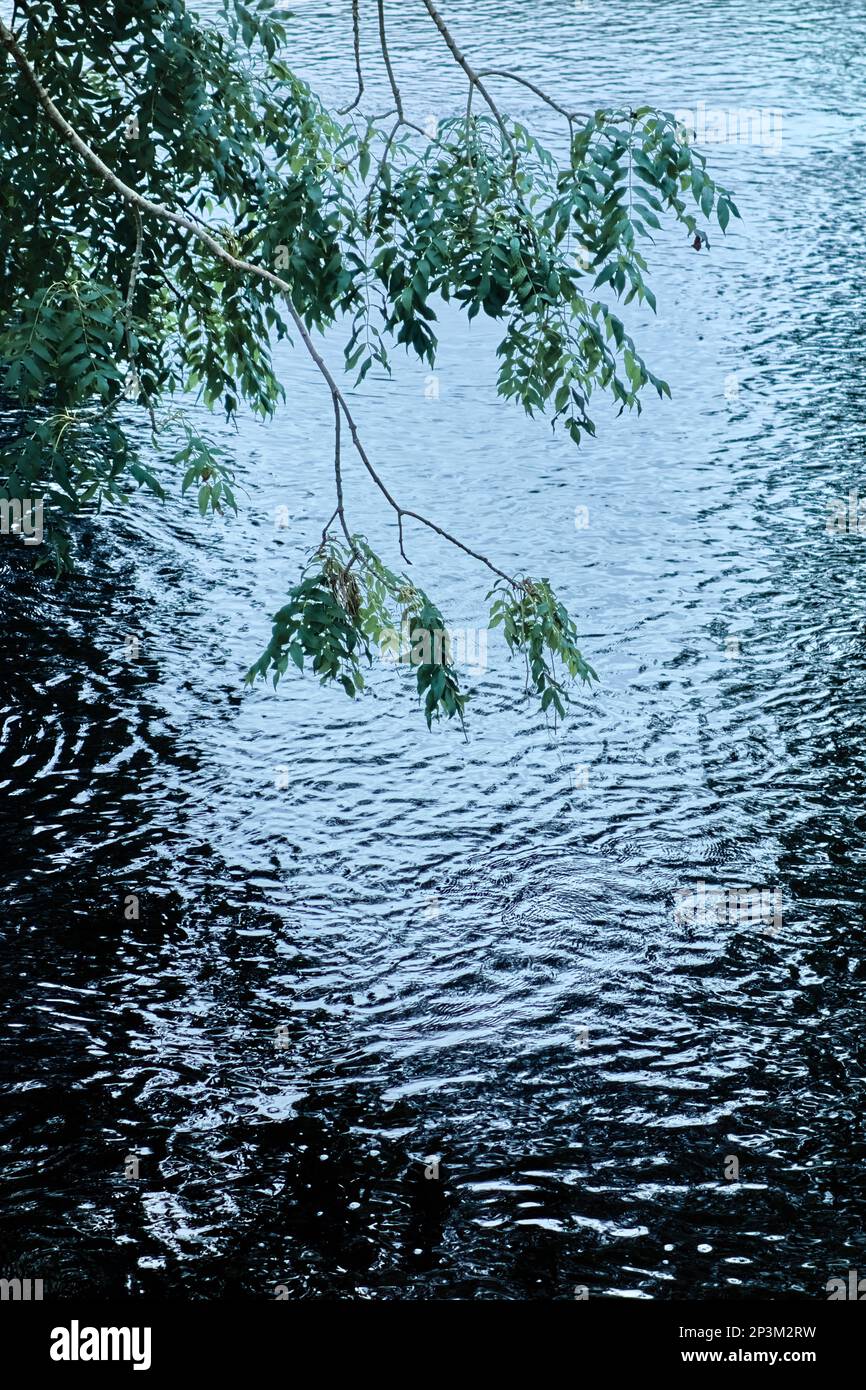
(470, 954)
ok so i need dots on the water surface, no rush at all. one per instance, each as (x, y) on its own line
(471, 956)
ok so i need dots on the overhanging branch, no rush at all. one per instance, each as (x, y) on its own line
(201, 234)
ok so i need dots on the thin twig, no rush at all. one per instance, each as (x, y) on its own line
(368, 202)
(383, 41)
(174, 289)
(328, 524)
(136, 262)
(338, 473)
(473, 76)
(356, 36)
(570, 116)
(127, 315)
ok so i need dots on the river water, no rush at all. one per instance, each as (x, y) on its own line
(364, 950)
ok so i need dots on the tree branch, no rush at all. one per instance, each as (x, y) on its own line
(473, 76)
(398, 100)
(178, 219)
(338, 476)
(326, 528)
(136, 262)
(127, 316)
(570, 116)
(356, 36)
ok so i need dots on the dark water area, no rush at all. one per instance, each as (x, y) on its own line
(363, 949)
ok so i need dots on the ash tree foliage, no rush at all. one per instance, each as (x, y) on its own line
(177, 199)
